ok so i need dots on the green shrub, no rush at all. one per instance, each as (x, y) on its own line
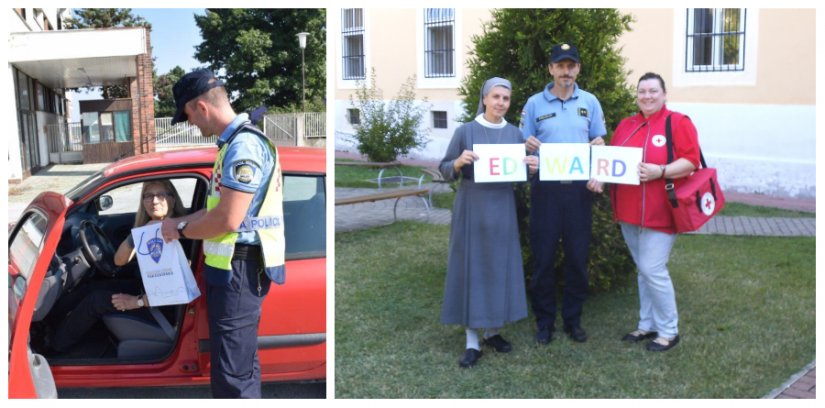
(515, 45)
(388, 129)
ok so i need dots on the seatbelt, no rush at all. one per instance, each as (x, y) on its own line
(164, 324)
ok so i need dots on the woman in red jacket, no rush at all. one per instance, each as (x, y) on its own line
(643, 210)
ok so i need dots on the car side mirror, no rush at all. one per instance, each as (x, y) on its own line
(105, 202)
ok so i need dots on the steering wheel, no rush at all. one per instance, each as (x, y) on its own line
(97, 249)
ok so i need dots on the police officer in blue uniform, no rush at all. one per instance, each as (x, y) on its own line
(561, 113)
(242, 231)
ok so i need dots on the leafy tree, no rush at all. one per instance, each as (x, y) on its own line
(164, 98)
(387, 129)
(256, 52)
(515, 45)
(106, 18)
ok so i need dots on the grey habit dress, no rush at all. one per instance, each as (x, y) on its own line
(484, 287)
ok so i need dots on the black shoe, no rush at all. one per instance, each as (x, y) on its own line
(657, 346)
(544, 335)
(576, 333)
(470, 358)
(638, 335)
(498, 343)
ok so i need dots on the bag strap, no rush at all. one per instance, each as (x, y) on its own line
(669, 185)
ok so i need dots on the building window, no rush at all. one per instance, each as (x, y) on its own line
(352, 32)
(715, 40)
(354, 116)
(439, 120)
(439, 46)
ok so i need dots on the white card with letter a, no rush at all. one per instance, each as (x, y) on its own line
(564, 161)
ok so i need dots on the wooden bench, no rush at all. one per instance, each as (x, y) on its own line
(387, 195)
(436, 179)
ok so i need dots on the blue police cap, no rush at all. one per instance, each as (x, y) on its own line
(561, 52)
(191, 86)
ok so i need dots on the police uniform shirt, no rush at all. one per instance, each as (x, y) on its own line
(577, 120)
(247, 167)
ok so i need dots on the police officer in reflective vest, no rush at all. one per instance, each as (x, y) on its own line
(241, 228)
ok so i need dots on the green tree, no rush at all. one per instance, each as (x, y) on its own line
(387, 129)
(164, 98)
(256, 52)
(107, 18)
(515, 45)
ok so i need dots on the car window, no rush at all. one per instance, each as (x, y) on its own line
(126, 199)
(27, 243)
(24, 250)
(304, 216)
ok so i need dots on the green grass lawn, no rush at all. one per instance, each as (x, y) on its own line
(362, 177)
(746, 307)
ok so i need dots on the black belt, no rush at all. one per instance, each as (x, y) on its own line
(245, 252)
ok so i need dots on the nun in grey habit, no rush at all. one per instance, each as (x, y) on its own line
(484, 287)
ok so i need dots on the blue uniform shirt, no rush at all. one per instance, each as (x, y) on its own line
(247, 167)
(577, 120)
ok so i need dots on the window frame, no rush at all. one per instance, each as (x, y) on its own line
(437, 120)
(717, 36)
(434, 20)
(350, 29)
(680, 77)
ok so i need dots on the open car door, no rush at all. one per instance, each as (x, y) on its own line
(32, 244)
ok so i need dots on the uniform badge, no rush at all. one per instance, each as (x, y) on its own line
(658, 140)
(243, 172)
(583, 112)
(547, 116)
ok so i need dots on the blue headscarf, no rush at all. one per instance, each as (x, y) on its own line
(488, 85)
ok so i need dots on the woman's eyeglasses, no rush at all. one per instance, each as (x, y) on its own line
(160, 196)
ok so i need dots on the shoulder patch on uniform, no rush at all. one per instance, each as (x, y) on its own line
(583, 112)
(547, 116)
(244, 171)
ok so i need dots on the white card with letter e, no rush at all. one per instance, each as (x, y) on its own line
(564, 161)
(615, 164)
(499, 163)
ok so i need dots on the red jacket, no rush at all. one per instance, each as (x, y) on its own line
(646, 204)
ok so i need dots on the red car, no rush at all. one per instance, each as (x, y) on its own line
(63, 242)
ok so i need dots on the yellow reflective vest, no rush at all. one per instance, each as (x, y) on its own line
(268, 223)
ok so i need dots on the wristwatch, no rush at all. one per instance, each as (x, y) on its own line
(181, 226)
(140, 301)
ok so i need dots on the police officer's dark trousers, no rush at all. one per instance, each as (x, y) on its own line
(234, 307)
(559, 211)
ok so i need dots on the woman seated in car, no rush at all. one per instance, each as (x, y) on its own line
(89, 303)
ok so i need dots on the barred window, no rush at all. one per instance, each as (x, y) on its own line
(354, 116)
(439, 120)
(439, 42)
(715, 40)
(352, 32)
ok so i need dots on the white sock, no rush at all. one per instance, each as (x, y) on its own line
(472, 339)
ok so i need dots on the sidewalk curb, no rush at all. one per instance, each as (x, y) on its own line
(787, 384)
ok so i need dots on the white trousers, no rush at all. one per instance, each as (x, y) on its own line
(657, 299)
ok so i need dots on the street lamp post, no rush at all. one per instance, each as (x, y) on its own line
(302, 42)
